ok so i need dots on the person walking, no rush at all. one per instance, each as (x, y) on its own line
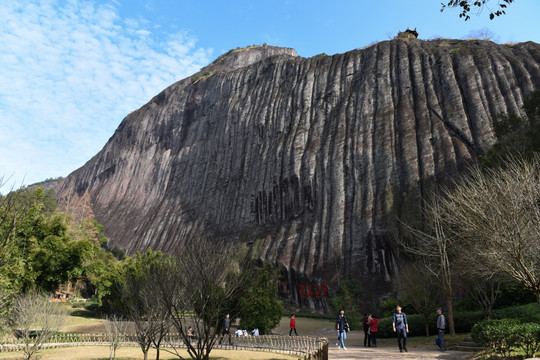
(190, 334)
(366, 327)
(401, 327)
(441, 325)
(342, 327)
(292, 325)
(226, 325)
(373, 325)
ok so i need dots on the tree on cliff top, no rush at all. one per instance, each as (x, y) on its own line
(467, 5)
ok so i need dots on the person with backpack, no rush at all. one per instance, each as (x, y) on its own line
(401, 327)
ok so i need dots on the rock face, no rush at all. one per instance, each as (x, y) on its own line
(306, 161)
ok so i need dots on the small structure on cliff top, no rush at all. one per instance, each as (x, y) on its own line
(407, 34)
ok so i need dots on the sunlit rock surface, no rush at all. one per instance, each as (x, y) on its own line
(306, 161)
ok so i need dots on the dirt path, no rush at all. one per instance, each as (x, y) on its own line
(357, 352)
(387, 348)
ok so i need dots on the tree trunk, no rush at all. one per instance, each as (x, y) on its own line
(426, 322)
(451, 314)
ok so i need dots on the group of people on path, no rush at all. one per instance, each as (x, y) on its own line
(370, 322)
(371, 327)
(400, 326)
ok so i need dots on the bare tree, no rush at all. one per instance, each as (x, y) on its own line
(420, 290)
(432, 245)
(496, 214)
(116, 328)
(144, 308)
(484, 291)
(197, 289)
(34, 319)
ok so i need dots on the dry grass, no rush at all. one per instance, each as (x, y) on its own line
(89, 326)
(305, 326)
(134, 353)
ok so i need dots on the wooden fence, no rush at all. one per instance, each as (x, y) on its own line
(309, 348)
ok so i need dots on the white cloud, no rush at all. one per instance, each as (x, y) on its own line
(70, 73)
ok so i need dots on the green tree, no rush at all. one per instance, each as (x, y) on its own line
(53, 258)
(43, 248)
(107, 275)
(259, 306)
(517, 135)
(347, 296)
(466, 6)
(18, 213)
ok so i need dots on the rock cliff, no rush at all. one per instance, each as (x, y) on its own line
(306, 161)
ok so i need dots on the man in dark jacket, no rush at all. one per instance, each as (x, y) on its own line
(226, 325)
(366, 327)
(342, 327)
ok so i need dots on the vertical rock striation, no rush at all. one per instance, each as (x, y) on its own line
(307, 160)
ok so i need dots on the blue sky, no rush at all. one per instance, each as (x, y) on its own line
(71, 70)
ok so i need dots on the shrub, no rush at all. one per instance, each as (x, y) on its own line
(200, 76)
(319, 56)
(528, 338)
(525, 313)
(388, 306)
(502, 336)
(404, 35)
(465, 320)
(497, 335)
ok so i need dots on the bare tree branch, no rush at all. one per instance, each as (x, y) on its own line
(197, 289)
(496, 214)
(34, 319)
(432, 246)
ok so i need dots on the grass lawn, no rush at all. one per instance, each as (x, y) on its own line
(134, 353)
(305, 326)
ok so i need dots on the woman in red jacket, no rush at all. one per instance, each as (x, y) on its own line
(293, 326)
(373, 324)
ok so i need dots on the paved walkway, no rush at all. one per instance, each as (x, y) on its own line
(356, 352)
(387, 349)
